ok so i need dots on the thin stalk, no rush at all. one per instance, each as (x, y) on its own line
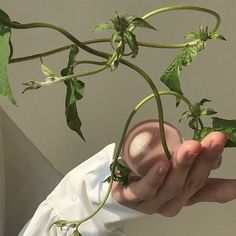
(99, 63)
(115, 159)
(158, 102)
(93, 41)
(200, 123)
(67, 47)
(118, 150)
(104, 55)
(192, 8)
(69, 77)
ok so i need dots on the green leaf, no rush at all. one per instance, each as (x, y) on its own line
(76, 233)
(72, 57)
(139, 22)
(228, 127)
(121, 174)
(48, 72)
(171, 76)
(114, 37)
(203, 101)
(5, 33)
(31, 84)
(130, 38)
(216, 35)
(207, 111)
(103, 26)
(185, 115)
(124, 172)
(202, 134)
(192, 36)
(75, 92)
(108, 179)
(193, 124)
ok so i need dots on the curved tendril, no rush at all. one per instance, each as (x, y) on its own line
(107, 56)
(191, 8)
(103, 40)
(118, 150)
(158, 102)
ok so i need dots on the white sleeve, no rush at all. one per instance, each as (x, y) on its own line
(76, 196)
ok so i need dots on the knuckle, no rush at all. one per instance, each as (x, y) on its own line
(193, 185)
(175, 190)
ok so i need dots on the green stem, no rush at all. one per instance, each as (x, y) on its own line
(99, 63)
(118, 150)
(158, 102)
(168, 92)
(58, 29)
(116, 156)
(192, 8)
(200, 123)
(67, 47)
(104, 55)
(82, 44)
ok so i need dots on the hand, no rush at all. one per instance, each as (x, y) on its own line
(169, 186)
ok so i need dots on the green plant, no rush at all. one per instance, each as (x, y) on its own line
(124, 44)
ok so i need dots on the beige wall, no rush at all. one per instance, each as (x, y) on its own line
(109, 97)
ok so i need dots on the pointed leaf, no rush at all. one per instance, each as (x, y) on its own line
(72, 56)
(185, 115)
(75, 92)
(192, 36)
(193, 124)
(114, 37)
(48, 72)
(103, 26)
(217, 36)
(139, 22)
(5, 33)
(31, 84)
(130, 38)
(207, 111)
(171, 76)
(203, 101)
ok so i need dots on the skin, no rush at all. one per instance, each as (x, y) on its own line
(169, 186)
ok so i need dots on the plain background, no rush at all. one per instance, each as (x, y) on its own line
(109, 97)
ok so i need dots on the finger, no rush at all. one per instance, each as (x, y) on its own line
(217, 163)
(212, 149)
(175, 178)
(142, 189)
(181, 165)
(215, 190)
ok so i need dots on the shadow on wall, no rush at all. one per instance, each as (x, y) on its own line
(26, 177)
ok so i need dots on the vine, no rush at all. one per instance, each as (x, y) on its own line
(124, 44)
